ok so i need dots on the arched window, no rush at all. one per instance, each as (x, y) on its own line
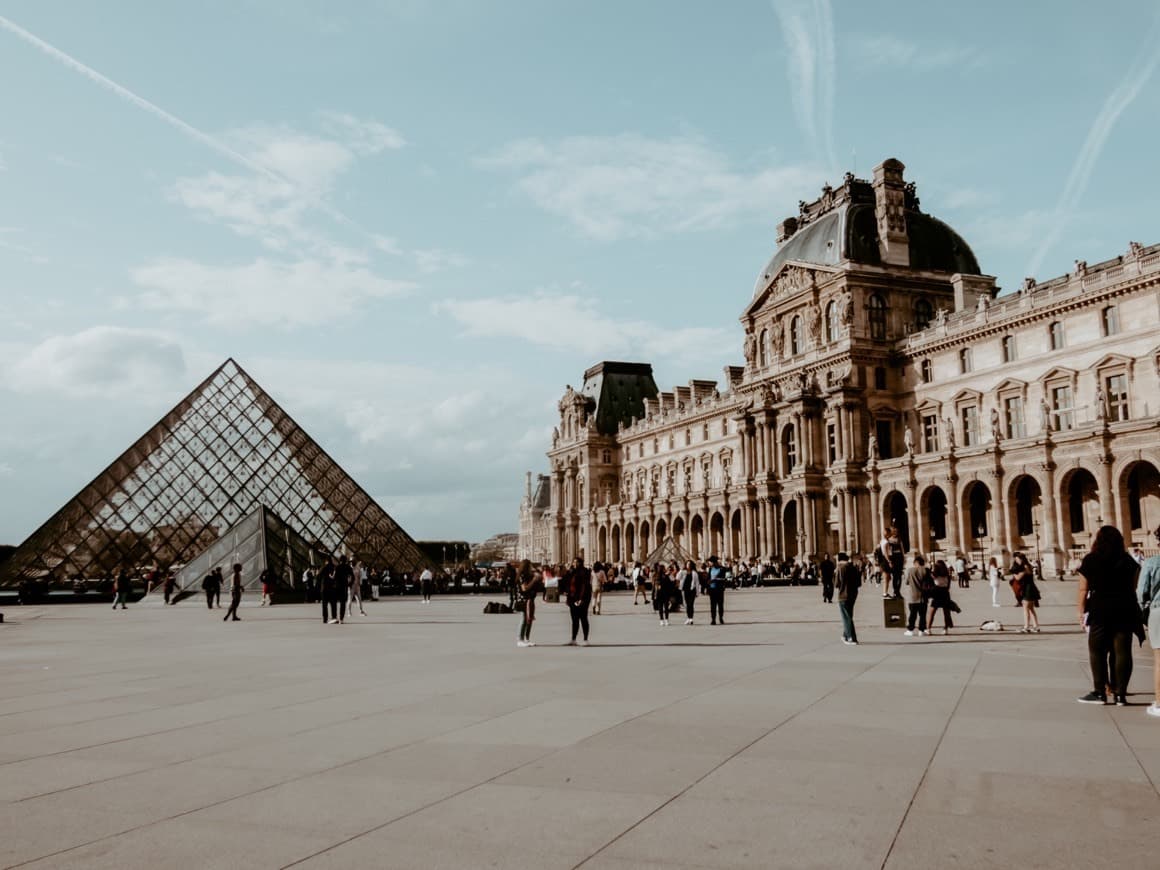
(923, 313)
(789, 448)
(833, 322)
(797, 336)
(763, 349)
(1056, 335)
(877, 312)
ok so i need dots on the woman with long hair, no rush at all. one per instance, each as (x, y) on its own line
(994, 577)
(530, 583)
(1108, 609)
(940, 596)
(1023, 576)
(691, 585)
(599, 578)
(662, 592)
(1148, 594)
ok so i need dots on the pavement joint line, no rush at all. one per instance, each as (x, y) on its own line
(926, 770)
(747, 746)
(554, 750)
(199, 758)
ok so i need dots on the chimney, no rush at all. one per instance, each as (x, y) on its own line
(786, 229)
(890, 210)
(528, 487)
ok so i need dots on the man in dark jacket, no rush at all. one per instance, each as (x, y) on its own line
(212, 584)
(578, 586)
(848, 580)
(716, 583)
(826, 568)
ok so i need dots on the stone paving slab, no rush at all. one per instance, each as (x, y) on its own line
(420, 736)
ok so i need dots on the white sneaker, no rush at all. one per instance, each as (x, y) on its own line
(1153, 710)
(908, 633)
(528, 643)
(521, 643)
(585, 643)
(332, 622)
(923, 633)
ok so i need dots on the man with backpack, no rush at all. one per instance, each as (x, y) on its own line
(717, 580)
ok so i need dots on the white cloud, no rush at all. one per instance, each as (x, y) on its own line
(630, 185)
(6, 470)
(103, 361)
(365, 137)
(262, 292)
(969, 198)
(1013, 232)
(436, 260)
(538, 318)
(808, 31)
(890, 50)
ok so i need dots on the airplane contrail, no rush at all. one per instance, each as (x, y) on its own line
(808, 31)
(172, 120)
(1114, 105)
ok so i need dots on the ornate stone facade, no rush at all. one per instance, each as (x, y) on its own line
(885, 383)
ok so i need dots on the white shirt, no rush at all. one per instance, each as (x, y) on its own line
(426, 575)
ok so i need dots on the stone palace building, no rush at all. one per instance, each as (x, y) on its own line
(885, 384)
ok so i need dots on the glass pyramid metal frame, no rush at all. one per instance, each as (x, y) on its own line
(224, 450)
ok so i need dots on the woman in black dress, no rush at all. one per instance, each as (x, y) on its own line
(1023, 578)
(1108, 610)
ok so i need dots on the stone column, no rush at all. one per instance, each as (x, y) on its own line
(840, 433)
(770, 444)
(844, 523)
(952, 520)
(1050, 519)
(875, 511)
(912, 515)
(1001, 536)
(1107, 496)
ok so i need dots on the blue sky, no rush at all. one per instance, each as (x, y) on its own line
(414, 223)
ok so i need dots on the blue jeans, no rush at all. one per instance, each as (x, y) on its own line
(846, 608)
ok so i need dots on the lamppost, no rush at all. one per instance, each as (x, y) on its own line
(1035, 530)
(980, 536)
(933, 541)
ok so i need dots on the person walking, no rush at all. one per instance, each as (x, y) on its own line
(531, 583)
(663, 587)
(266, 578)
(848, 580)
(328, 593)
(425, 581)
(1148, 597)
(121, 588)
(168, 586)
(235, 594)
(212, 584)
(716, 583)
(961, 572)
(358, 575)
(1024, 575)
(638, 580)
(578, 583)
(1108, 608)
(915, 584)
(827, 569)
(343, 575)
(599, 579)
(690, 582)
(995, 578)
(940, 596)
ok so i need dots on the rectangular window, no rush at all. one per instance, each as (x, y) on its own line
(927, 371)
(1063, 407)
(880, 377)
(832, 440)
(930, 433)
(885, 435)
(1013, 411)
(1057, 336)
(970, 417)
(1117, 397)
(964, 360)
(705, 431)
(1008, 348)
(1111, 320)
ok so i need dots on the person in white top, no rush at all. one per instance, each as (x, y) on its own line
(357, 576)
(638, 578)
(994, 577)
(425, 581)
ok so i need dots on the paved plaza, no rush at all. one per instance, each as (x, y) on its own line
(420, 736)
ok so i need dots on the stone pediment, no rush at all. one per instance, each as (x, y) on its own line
(1113, 359)
(968, 395)
(1057, 373)
(792, 279)
(1009, 384)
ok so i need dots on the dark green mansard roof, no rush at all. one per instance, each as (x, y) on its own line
(850, 232)
(618, 391)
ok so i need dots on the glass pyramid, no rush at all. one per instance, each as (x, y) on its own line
(225, 450)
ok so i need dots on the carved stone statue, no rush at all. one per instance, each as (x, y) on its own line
(872, 448)
(984, 303)
(950, 433)
(750, 350)
(776, 340)
(847, 308)
(996, 431)
(1101, 404)
(1044, 415)
(940, 317)
(555, 436)
(767, 397)
(1081, 267)
(1135, 250)
(814, 322)
(776, 389)
(908, 441)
